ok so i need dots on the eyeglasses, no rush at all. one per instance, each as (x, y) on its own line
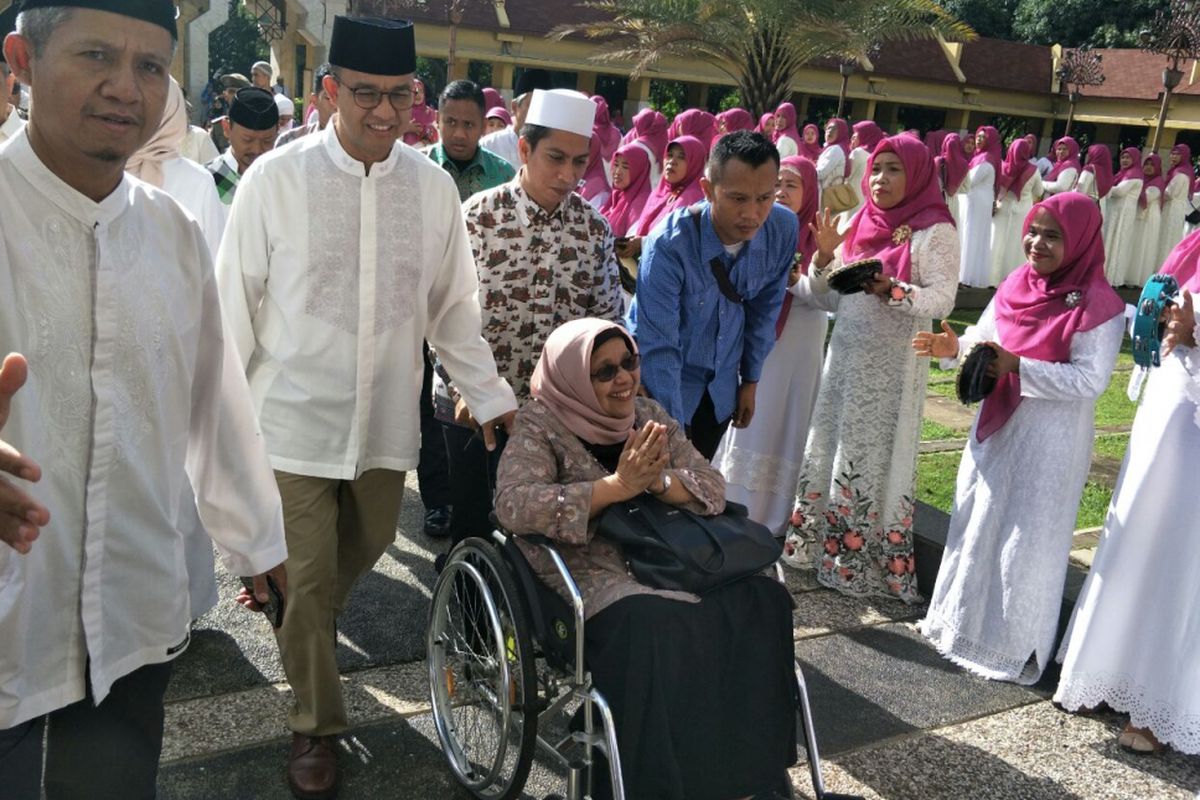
(367, 99)
(629, 363)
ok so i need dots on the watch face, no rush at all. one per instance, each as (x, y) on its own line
(897, 293)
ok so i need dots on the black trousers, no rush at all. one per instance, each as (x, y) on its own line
(104, 752)
(705, 431)
(472, 480)
(433, 469)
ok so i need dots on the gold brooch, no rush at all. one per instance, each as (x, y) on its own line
(901, 234)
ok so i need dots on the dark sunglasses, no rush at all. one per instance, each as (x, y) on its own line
(629, 363)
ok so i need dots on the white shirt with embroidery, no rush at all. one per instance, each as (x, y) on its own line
(133, 390)
(504, 144)
(330, 278)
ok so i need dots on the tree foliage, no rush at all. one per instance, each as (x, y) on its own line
(1071, 23)
(760, 44)
(236, 45)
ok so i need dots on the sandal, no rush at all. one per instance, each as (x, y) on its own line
(1139, 740)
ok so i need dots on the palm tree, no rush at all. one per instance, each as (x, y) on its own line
(761, 44)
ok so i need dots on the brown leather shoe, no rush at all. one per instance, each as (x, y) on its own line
(312, 767)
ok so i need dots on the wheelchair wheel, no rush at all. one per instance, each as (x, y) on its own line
(482, 675)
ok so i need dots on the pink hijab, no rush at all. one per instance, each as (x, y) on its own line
(788, 112)
(500, 113)
(562, 382)
(624, 206)
(1134, 170)
(1184, 263)
(934, 139)
(426, 117)
(762, 123)
(492, 98)
(1184, 167)
(736, 119)
(869, 134)
(1155, 180)
(811, 151)
(1070, 162)
(806, 242)
(952, 163)
(872, 230)
(1034, 316)
(1017, 168)
(843, 136)
(603, 128)
(650, 128)
(694, 122)
(1099, 163)
(595, 179)
(667, 197)
(992, 154)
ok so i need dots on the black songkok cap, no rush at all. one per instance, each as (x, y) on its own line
(158, 12)
(373, 45)
(255, 109)
(532, 79)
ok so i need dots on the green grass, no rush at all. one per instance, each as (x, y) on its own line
(1093, 506)
(1111, 446)
(932, 431)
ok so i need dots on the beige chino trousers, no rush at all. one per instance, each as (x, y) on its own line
(336, 530)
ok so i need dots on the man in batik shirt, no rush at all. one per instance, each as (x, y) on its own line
(544, 257)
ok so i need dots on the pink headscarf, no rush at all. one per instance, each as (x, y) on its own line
(624, 206)
(492, 98)
(1034, 317)
(1184, 167)
(650, 128)
(1070, 162)
(562, 382)
(789, 129)
(952, 163)
(147, 162)
(1017, 168)
(1184, 263)
(871, 231)
(762, 123)
(869, 134)
(694, 122)
(602, 128)
(667, 197)
(843, 141)
(736, 119)
(806, 242)
(1134, 170)
(992, 154)
(1155, 180)
(500, 113)
(424, 116)
(811, 151)
(934, 139)
(595, 179)
(1099, 163)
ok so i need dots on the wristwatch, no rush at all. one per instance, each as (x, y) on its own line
(666, 486)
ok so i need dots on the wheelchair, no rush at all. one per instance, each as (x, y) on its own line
(507, 673)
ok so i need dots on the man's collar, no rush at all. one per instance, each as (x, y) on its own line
(529, 208)
(711, 245)
(230, 161)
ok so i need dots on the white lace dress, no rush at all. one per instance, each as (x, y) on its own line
(1144, 253)
(854, 505)
(762, 462)
(1119, 233)
(976, 225)
(1134, 639)
(1174, 208)
(1007, 228)
(999, 588)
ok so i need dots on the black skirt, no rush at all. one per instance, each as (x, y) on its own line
(702, 694)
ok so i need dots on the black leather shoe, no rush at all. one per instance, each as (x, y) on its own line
(437, 522)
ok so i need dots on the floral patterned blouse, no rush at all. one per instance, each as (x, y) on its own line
(544, 486)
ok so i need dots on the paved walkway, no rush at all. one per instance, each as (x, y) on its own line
(894, 719)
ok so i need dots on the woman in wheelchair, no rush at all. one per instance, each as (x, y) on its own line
(701, 688)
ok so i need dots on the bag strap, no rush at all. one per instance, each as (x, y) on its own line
(717, 265)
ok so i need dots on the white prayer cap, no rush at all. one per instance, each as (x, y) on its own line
(286, 107)
(562, 109)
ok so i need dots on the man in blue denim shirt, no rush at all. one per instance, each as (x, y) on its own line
(710, 287)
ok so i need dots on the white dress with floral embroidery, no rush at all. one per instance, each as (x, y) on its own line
(1134, 639)
(855, 494)
(999, 588)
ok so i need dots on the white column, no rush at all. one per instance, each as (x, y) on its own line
(196, 69)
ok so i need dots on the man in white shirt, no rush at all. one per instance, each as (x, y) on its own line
(328, 319)
(251, 127)
(504, 143)
(130, 391)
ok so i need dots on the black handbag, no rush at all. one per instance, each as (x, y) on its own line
(668, 547)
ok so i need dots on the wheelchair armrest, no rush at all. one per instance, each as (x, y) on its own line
(573, 591)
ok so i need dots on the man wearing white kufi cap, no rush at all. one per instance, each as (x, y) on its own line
(544, 257)
(344, 250)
